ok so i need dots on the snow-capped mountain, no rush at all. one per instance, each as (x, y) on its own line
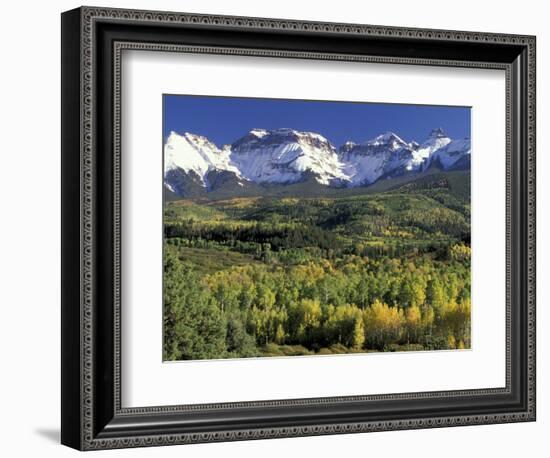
(424, 152)
(284, 155)
(194, 165)
(384, 155)
(192, 161)
(455, 155)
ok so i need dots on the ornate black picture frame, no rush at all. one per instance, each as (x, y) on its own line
(92, 42)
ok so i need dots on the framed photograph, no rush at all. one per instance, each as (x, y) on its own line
(276, 228)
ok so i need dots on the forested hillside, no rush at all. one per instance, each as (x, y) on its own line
(345, 271)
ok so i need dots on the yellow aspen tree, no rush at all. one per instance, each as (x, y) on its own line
(451, 342)
(413, 318)
(358, 332)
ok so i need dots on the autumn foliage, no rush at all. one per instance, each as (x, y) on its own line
(254, 277)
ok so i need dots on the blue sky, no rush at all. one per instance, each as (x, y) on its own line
(226, 119)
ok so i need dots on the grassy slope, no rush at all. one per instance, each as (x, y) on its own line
(407, 211)
(210, 260)
(311, 188)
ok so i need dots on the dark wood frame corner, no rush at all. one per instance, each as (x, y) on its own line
(92, 42)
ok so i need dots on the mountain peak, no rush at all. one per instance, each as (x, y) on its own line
(386, 137)
(284, 155)
(389, 139)
(438, 133)
(194, 154)
(279, 136)
(258, 132)
(192, 136)
(284, 130)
